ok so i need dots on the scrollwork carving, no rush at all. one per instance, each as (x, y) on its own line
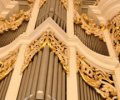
(89, 25)
(47, 38)
(7, 63)
(77, 4)
(65, 3)
(114, 28)
(16, 20)
(101, 81)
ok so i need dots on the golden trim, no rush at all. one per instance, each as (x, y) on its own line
(16, 20)
(114, 28)
(7, 63)
(98, 79)
(89, 25)
(65, 3)
(47, 38)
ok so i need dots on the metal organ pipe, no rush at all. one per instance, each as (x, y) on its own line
(44, 78)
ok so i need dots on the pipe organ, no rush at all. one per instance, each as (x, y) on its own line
(4, 83)
(92, 42)
(44, 79)
(54, 9)
(45, 63)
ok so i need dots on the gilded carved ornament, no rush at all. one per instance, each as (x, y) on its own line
(101, 81)
(65, 3)
(7, 63)
(89, 25)
(77, 4)
(16, 20)
(114, 28)
(47, 38)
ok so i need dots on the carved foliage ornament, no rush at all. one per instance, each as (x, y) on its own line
(114, 28)
(49, 39)
(16, 20)
(7, 63)
(101, 81)
(89, 25)
(77, 4)
(65, 3)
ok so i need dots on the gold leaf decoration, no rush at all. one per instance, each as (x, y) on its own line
(16, 20)
(114, 28)
(7, 63)
(65, 3)
(47, 38)
(101, 81)
(89, 25)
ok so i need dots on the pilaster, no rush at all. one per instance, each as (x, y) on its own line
(16, 76)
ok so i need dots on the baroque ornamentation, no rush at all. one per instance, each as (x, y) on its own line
(89, 25)
(16, 20)
(47, 38)
(114, 28)
(7, 63)
(65, 3)
(101, 81)
(77, 4)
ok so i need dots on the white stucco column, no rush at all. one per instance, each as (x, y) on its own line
(16, 76)
(33, 18)
(116, 75)
(72, 89)
(70, 16)
(110, 45)
(116, 78)
(72, 92)
(14, 85)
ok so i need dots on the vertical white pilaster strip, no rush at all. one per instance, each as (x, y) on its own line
(110, 44)
(33, 18)
(116, 78)
(16, 76)
(70, 15)
(72, 92)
